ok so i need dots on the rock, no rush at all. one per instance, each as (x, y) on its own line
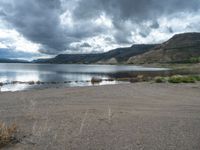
(96, 80)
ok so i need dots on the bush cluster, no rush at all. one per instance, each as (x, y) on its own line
(195, 60)
(182, 79)
(177, 79)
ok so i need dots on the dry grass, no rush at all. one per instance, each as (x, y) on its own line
(7, 134)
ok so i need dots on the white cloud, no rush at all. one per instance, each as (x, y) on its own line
(103, 20)
(67, 20)
(168, 26)
(11, 39)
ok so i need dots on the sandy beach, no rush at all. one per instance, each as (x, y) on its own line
(112, 117)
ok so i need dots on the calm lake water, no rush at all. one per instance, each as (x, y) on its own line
(59, 75)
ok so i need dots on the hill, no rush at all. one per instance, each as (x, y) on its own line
(180, 48)
(119, 55)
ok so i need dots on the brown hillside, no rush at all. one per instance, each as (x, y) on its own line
(180, 48)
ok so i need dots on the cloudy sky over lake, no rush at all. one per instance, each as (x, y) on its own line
(37, 28)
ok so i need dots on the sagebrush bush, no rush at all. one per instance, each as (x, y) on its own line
(160, 79)
(197, 78)
(188, 79)
(194, 60)
(175, 79)
(182, 79)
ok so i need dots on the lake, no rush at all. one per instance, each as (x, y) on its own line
(18, 77)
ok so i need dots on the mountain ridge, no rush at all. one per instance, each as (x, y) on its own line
(178, 49)
(181, 48)
(119, 55)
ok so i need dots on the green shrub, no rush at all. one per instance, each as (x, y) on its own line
(188, 79)
(160, 79)
(194, 59)
(175, 79)
(197, 78)
(182, 79)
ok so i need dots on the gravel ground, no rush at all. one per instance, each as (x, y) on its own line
(113, 117)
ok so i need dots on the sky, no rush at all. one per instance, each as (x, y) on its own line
(32, 29)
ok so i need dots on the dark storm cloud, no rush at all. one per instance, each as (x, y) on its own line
(135, 11)
(123, 37)
(39, 20)
(2, 14)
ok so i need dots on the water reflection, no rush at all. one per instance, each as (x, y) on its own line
(62, 75)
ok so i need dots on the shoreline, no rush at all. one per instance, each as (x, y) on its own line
(96, 81)
(167, 84)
